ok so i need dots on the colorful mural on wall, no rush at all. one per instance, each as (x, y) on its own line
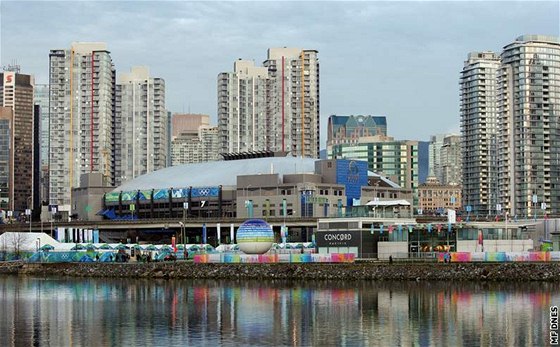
(275, 258)
(467, 257)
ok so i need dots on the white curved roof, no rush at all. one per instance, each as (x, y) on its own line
(215, 173)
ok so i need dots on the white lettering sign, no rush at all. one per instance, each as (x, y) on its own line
(338, 237)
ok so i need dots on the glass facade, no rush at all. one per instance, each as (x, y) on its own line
(396, 160)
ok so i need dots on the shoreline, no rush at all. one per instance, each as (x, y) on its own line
(494, 272)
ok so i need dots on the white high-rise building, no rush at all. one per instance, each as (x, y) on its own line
(529, 126)
(81, 130)
(242, 112)
(272, 108)
(141, 125)
(450, 156)
(41, 98)
(478, 132)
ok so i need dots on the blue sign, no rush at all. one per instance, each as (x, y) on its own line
(353, 175)
(469, 208)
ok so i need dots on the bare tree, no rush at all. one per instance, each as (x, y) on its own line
(16, 241)
(3, 249)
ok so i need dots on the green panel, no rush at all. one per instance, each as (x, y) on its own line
(112, 197)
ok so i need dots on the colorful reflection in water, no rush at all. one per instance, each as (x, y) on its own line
(101, 312)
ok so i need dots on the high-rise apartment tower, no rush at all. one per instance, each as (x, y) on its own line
(82, 118)
(275, 107)
(529, 126)
(479, 131)
(140, 125)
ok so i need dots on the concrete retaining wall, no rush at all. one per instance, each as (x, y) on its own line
(362, 271)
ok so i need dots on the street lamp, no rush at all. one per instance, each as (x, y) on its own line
(53, 212)
(28, 214)
(183, 237)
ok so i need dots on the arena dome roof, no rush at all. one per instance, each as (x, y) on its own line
(215, 173)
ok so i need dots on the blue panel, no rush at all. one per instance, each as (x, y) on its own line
(353, 175)
(178, 193)
(205, 192)
(161, 194)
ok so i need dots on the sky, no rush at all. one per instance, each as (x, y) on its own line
(401, 59)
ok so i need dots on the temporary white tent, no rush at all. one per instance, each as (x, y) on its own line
(24, 241)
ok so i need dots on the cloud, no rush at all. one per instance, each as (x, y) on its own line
(401, 59)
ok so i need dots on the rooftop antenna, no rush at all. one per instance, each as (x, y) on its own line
(13, 67)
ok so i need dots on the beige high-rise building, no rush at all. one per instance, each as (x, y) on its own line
(82, 118)
(196, 148)
(194, 139)
(188, 123)
(294, 100)
(271, 108)
(140, 125)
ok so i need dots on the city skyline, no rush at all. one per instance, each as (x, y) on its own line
(417, 54)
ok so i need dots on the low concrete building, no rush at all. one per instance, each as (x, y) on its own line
(87, 200)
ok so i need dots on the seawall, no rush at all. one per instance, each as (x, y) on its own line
(512, 272)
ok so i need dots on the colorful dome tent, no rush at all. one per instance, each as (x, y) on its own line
(46, 247)
(106, 257)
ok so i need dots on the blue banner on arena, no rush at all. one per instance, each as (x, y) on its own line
(205, 191)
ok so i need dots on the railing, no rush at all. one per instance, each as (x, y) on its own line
(400, 257)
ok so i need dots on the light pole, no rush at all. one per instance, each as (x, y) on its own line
(183, 236)
(535, 200)
(53, 212)
(185, 209)
(507, 233)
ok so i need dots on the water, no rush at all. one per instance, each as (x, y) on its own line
(115, 312)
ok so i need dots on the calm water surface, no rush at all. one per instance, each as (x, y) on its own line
(115, 312)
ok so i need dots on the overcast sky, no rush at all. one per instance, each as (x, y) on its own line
(399, 59)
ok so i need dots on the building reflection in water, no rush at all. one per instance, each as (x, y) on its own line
(79, 312)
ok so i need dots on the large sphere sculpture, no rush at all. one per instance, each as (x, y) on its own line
(255, 236)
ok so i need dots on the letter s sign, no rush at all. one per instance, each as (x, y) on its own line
(8, 78)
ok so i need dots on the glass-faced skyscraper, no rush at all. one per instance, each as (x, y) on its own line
(82, 118)
(529, 126)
